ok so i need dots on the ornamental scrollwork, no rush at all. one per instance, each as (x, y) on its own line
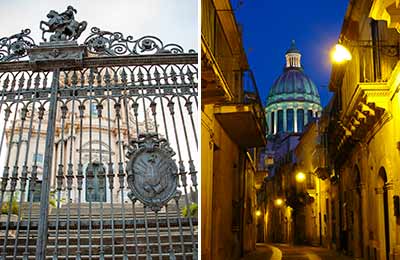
(114, 43)
(16, 46)
(152, 173)
(64, 30)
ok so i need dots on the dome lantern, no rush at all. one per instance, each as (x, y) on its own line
(293, 56)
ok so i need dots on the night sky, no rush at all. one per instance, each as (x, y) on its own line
(269, 26)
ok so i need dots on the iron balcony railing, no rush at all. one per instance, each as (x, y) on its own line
(213, 33)
(252, 96)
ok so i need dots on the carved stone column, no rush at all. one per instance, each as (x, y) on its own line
(285, 120)
(295, 120)
(364, 217)
(305, 115)
(392, 219)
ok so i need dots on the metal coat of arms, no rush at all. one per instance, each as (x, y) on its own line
(152, 173)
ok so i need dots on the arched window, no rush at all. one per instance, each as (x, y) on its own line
(280, 121)
(290, 120)
(300, 120)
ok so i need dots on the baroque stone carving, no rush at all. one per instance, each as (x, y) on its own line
(63, 25)
(152, 173)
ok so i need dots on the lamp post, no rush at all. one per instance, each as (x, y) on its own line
(341, 54)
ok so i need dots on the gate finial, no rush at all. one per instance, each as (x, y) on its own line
(63, 25)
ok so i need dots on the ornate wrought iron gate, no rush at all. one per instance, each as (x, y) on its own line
(98, 146)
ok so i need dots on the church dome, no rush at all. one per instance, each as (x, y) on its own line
(293, 84)
(293, 100)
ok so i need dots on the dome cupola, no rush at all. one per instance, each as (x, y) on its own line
(293, 99)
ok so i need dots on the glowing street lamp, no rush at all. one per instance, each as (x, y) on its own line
(340, 54)
(258, 213)
(278, 202)
(300, 177)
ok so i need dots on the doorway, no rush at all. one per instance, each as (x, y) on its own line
(383, 178)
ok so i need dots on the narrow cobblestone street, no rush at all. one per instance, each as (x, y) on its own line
(290, 252)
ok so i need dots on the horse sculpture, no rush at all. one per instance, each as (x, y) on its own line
(63, 26)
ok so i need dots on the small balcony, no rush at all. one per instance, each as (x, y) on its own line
(320, 162)
(222, 55)
(244, 122)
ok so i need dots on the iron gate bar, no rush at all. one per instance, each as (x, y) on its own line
(24, 173)
(110, 170)
(14, 175)
(99, 108)
(34, 179)
(173, 84)
(44, 198)
(70, 173)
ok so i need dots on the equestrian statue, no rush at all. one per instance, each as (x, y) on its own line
(63, 26)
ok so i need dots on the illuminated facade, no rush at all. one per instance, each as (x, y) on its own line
(228, 172)
(292, 107)
(293, 100)
(364, 133)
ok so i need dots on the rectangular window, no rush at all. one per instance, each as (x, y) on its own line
(272, 123)
(290, 120)
(310, 181)
(280, 121)
(300, 120)
(310, 116)
(38, 158)
(94, 109)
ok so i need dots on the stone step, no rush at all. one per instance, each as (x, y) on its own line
(95, 249)
(84, 223)
(165, 256)
(112, 223)
(104, 214)
(107, 239)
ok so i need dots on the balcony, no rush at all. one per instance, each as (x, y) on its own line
(387, 10)
(223, 58)
(244, 122)
(320, 162)
(259, 178)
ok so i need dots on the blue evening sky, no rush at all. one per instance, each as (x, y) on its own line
(269, 26)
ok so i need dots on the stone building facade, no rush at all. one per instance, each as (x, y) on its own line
(352, 151)
(228, 152)
(80, 142)
(292, 106)
(364, 132)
